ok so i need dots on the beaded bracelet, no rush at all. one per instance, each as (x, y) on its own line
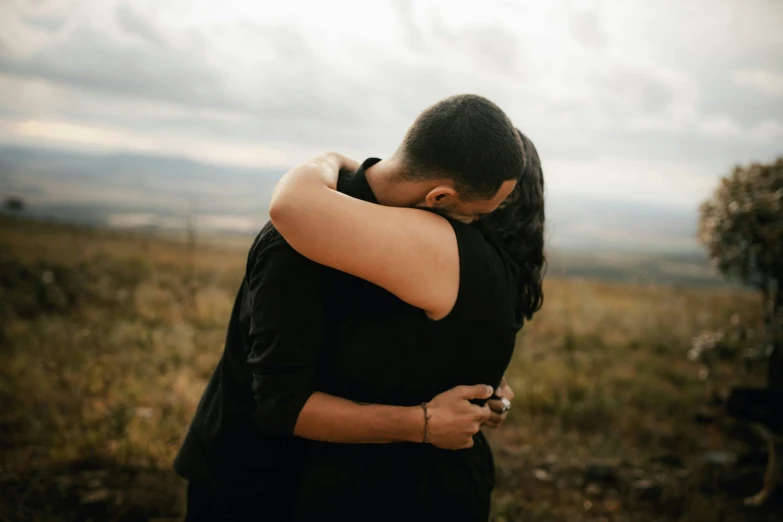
(427, 417)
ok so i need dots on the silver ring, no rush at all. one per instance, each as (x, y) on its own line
(506, 405)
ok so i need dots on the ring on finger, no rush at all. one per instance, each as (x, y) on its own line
(506, 405)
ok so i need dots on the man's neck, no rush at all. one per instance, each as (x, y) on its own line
(390, 188)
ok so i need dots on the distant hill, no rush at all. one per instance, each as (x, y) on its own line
(643, 268)
(589, 237)
(125, 190)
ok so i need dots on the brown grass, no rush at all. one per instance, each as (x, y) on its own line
(107, 342)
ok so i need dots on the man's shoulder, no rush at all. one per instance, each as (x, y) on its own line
(269, 238)
(269, 244)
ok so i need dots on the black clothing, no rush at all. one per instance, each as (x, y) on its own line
(241, 437)
(240, 451)
(298, 326)
(388, 352)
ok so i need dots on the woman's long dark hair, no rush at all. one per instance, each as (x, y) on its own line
(518, 229)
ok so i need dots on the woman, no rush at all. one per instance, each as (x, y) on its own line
(421, 258)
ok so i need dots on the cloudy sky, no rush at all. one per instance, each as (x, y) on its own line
(631, 101)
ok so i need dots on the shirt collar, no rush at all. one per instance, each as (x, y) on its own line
(355, 183)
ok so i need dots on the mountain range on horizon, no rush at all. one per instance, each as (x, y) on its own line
(129, 190)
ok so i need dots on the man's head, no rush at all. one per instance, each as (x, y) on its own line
(466, 154)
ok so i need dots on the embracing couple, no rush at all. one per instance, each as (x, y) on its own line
(369, 339)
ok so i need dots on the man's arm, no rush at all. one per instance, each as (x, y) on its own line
(452, 419)
(288, 332)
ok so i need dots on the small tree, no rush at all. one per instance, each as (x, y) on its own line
(742, 227)
(14, 205)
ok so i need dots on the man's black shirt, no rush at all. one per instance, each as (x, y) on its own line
(241, 439)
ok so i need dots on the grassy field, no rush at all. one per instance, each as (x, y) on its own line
(107, 341)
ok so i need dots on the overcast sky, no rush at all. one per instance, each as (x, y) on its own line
(625, 100)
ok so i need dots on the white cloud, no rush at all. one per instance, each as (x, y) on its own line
(57, 131)
(764, 81)
(212, 150)
(664, 184)
(719, 125)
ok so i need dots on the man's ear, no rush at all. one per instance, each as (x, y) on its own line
(441, 196)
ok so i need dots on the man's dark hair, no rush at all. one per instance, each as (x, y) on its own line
(466, 138)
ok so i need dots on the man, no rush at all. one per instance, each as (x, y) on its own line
(239, 454)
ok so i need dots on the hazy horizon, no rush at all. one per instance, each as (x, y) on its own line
(130, 190)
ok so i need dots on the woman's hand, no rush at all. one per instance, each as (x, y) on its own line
(499, 406)
(347, 164)
(334, 164)
(323, 170)
(454, 420)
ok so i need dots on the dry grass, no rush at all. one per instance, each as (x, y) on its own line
(107, 342)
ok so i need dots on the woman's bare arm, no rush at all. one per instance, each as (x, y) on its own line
(411, 253)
